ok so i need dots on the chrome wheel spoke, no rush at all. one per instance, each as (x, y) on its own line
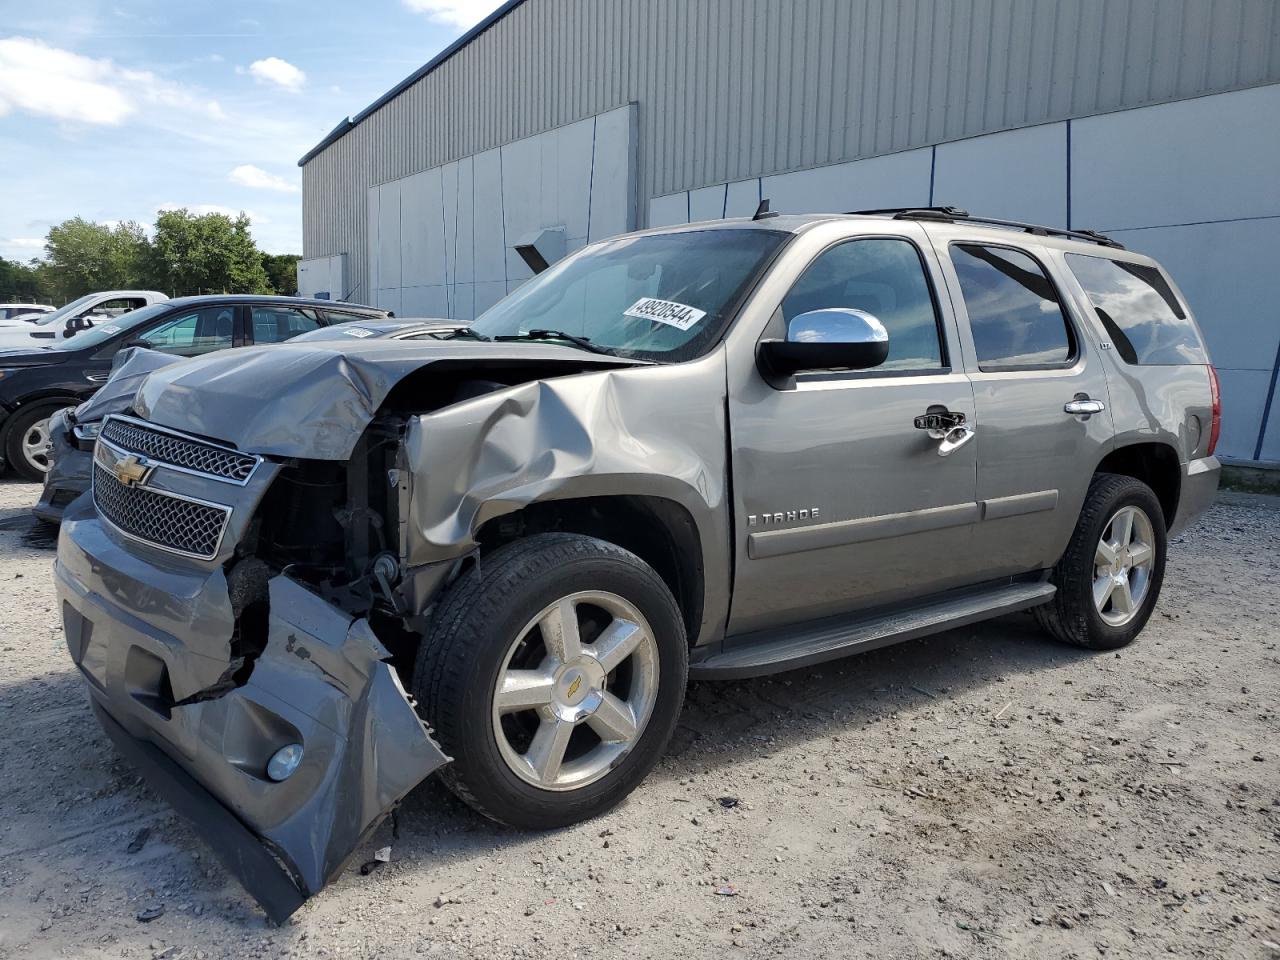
(1122, 598)
(613, 720)
(560, 631)
(618, 641)
(1102, 588)
(546, 752)
(1122, 528)
(524, 690)
(1140, 554)
(1105, 555)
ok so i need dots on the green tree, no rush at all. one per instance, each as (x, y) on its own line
(210, 253)
(282, 272)
(21, 281)
(82, 256)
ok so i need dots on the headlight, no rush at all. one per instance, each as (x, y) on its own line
(87, 431)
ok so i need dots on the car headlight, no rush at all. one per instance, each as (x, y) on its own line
(87, 431)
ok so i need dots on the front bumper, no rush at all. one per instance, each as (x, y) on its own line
(154, 640)
(1199, 487)
(70, 468)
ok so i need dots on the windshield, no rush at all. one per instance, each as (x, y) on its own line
(70, 310)
(665, 296)
(100, 333)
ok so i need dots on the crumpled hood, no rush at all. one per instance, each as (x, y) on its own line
(315, 400)
(131, 366)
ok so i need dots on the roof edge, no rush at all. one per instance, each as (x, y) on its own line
(350, 123)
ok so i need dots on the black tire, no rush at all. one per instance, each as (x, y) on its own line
(22, 422)
(1072, 616)
(471, 631)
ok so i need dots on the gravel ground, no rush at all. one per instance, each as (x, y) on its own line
(982, 793)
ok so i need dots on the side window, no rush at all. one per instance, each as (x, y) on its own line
(1135, 303)
(192, 334)
(333, 316)
(1014, 311)
(110, 309)
(884, 277)
(278, 324)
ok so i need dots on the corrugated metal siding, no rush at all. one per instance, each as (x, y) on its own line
(729, 89)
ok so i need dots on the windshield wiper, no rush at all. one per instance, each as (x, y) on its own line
(467, 332)
(583, 343)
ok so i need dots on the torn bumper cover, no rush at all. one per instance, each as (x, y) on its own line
(155, 645)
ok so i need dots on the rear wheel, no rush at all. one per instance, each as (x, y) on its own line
(27, 449)
(1109, 578)
(553, 676)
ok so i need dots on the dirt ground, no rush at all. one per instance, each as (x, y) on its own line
(982, 793)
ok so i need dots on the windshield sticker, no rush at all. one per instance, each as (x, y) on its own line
(357, 332)
(109, 328)
(673, 314)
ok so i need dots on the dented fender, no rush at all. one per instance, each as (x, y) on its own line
(651, 431)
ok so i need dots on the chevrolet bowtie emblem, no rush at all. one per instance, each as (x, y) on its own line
(130, 470)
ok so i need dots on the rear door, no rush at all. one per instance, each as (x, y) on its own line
(1032, 365)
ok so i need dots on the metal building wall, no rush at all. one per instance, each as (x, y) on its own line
(731, 89)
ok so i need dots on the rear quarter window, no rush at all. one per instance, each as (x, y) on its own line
(1146, 323)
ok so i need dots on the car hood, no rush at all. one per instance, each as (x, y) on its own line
(130, 368)
(315, 400)
(12, 355)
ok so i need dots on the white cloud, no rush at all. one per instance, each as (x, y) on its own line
(280, 72)
(247, 175)
(40, 79)
(456, 13)
(47, 81)
(26, 243)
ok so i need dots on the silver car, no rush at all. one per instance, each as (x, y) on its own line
(310, 576)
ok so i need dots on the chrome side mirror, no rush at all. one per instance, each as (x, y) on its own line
(837, 338)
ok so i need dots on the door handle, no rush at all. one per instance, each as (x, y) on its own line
(954, 439)
(1082, 406)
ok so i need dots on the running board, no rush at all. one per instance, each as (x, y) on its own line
(802, 645)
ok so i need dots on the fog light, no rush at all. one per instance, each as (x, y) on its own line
(284, 761)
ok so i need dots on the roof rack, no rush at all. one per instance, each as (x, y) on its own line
(953, 214)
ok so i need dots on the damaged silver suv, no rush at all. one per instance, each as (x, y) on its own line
(310, 575)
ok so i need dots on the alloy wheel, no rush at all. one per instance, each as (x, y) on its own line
(1123, 563)
(35, 445)
(576, 688)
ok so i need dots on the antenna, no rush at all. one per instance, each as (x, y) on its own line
(762, 211)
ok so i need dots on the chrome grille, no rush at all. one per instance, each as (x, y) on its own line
(173, 523)
(178, 451)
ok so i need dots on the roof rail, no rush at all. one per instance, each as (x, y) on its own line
(954, 214)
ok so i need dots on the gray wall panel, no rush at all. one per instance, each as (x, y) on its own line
(1020, 174)
(1152, 166)
(730, 90)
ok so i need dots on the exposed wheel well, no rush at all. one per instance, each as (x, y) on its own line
(660, 532)
(1156, 465)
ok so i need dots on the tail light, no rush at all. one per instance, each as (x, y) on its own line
(1215, 393)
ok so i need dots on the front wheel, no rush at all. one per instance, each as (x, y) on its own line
(1110, 575)
(553, 676)
(27, 449)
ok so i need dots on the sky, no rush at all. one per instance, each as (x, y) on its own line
(116, 109)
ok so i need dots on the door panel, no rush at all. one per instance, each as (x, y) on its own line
(1030, 357)
(840, 502)
(893, 518)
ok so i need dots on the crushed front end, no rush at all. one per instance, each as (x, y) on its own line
(221, 607)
